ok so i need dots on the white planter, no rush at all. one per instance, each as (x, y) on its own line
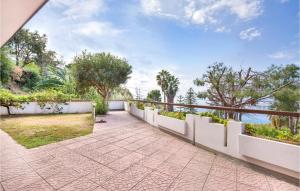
(273, 152)
(34, 108)
(172, 124)
(137, 112)
(211, 135)
(150, 115)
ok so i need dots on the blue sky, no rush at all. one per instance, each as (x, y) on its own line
(182, 36)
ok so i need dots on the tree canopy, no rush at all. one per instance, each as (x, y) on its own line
(27, 46)
(102, 71)
(154, 95)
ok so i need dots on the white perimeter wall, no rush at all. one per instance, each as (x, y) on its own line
(34, 108)
(116, 105)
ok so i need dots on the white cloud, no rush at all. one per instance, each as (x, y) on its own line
(250, 34)
(79, 9)
(222, 29)
(281, 55)
(97, 28)
(203, 12)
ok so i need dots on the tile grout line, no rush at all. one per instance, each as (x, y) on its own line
(208, 173)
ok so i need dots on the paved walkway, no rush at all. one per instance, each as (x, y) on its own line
(126, 154)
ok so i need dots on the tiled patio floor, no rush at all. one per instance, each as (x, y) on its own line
(126, 154)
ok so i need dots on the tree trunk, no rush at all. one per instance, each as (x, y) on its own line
(8, 110)
(170, 100)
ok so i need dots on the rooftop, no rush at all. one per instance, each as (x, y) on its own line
(127, 154)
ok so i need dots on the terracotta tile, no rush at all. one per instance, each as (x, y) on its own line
(61, 179)
(101, 175)
(214, 183)
(49, 160)
(280, 185)
(51, 170)
(127, 179)
(205, 156)
(38, 186)
(223, 172)
(22, 181)
(126, 161)
(155, 181)
(152, 163)
(252, 178)
(188, 180)
(245, 187)
(14, 171)
(81, 184)
(226, 162)
(199, 166)
(169, 168)
(99, 188)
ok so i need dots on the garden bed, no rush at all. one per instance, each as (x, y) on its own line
(36, 130)
(171, 123)
(266, 131)
(139, 113)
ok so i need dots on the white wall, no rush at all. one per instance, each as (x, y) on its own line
(273, 152)
(116, 105)
(211, 135)
(139, 113)
(34, 108)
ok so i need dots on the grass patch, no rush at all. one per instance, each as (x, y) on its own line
(36, 130)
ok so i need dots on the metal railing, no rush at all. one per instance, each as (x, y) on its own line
(228, 109)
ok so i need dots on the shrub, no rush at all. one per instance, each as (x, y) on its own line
(177, 115)
(140, 105)
(101, 107)
(269, 132)
(31, 76)
(8, 99)
(215, 118)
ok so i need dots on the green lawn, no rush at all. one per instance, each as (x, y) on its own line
(33, 131)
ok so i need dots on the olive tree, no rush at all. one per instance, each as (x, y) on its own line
(103, 71)
(230, 88)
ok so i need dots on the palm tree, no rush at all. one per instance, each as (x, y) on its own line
(162, 81)
(172, 88)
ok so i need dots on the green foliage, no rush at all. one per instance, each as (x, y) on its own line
(190, 99)
(215, 118)
(140, 105)
(102, 71)
(6, 66)
(51, 95)
(177, 115)
(154, 95)
(231, 88)
(101, 107)
(169, 86)
(30, 76)
(269, 132)
(27, 46)
(59, 79)
(8, 99)
(180, 100)
(120, 93)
